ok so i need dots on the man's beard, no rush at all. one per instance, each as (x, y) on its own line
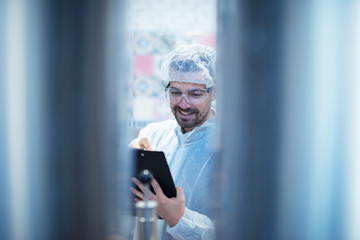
(189, 123)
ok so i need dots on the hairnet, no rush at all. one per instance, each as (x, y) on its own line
(183, 62)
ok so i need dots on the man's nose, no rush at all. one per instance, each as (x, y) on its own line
(184, 102)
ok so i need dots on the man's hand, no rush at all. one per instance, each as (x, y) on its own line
(144, 143)
(169, 209)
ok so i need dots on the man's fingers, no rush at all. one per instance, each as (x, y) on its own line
(138, 183)
(142, 188)
(138, 194)
(145, 144)
(158, 191)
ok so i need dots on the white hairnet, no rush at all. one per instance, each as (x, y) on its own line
(182, 63)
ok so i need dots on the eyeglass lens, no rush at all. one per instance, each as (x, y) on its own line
(191, 96)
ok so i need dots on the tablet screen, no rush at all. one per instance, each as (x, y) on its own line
(156, 163)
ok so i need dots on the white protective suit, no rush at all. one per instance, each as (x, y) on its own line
(191, 158)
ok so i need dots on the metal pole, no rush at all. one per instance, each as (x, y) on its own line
(146, 211)
(249, 77)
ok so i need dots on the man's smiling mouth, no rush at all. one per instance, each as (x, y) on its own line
(187, 113)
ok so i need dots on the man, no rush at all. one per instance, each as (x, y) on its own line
(186, 142)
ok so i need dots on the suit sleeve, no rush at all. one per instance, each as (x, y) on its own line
(192, 225)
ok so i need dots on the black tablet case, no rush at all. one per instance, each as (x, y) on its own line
(156, 163)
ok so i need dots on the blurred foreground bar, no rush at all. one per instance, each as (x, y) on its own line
(289, 112)
(64, 58)
(250, 83)
(76, 118)
(84, 73)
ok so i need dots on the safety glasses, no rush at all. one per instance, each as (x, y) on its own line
(193, 96)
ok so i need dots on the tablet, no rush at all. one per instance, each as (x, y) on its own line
(156, 163)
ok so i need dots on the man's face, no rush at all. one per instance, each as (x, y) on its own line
(190, 114)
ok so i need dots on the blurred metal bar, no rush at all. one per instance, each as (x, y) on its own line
(37, 167)
(78, 130)
(289, 144)
(250, 87)
(313, 143)
(16, 118)
(62, 70)
(352, 178)
(314, 137)
(119, 135)
(75, 110)
(4, 183)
